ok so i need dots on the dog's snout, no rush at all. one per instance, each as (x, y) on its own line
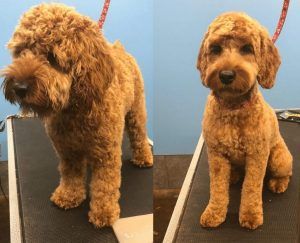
(227, 76)
(20, 89)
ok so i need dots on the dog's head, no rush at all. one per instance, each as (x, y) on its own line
(237, 51)
(59, 58)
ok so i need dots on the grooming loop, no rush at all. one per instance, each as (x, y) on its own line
(281, 20)
(104, 13)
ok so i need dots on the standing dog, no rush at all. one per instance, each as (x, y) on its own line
(85, 90)
(239, 127)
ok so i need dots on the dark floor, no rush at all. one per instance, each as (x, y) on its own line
(4, 206)
(169, 174)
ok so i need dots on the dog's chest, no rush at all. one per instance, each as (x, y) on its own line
(228, 140)
(65, 133)
(233, 139)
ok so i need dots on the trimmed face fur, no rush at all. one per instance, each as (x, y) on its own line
(237, 51)
(52, 59)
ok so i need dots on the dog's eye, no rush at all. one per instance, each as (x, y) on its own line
(51, 59)
(215, 49)
(247, 49)
(53, 62)
(17, 52)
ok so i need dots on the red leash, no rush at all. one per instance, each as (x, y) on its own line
(104, 13)
(279, 27)
(281, 20)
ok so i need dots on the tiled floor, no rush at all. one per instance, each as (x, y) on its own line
(4, 206)
(169, 173)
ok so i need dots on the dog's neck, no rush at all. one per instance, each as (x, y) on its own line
(240, 102)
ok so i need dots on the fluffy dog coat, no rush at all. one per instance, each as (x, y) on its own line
(240, 128)
(85, 90)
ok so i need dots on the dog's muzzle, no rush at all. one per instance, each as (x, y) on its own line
(227, 76)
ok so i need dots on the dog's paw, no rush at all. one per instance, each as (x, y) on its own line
(66, 198)
(142, 157)
(278, 185)
(212, 218)
(104, 217)
(143, 163)
(251, 220)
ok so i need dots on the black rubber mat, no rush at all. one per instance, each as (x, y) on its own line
(281, 211)
(37, 177)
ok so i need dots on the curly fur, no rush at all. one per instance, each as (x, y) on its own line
(239, 127)
(86, 91)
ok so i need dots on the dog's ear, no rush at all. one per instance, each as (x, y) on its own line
(94, 69)
(269, 61)
(202, 59)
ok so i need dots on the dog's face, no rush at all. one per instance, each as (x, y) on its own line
(235, 52)
(54, 51)
(36, 82)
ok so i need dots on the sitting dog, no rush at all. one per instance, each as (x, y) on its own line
(239, 127)
(86, 91)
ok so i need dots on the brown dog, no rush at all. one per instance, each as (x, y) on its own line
(85, 90)
(239, 127)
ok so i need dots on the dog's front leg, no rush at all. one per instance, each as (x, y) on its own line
(106, 177)
(251, 211)
(219, 172)
(104, 190)
(71, 191)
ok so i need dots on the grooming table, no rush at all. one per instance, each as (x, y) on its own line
(281, 211)
(33, 176)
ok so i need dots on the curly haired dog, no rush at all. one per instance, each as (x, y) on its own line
(86, 91)
(239, 127)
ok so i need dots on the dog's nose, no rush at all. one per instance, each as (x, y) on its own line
(227, 76)
(20, 89)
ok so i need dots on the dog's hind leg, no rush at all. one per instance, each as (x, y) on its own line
(136, 127)
(71, 191)
(280, 166)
